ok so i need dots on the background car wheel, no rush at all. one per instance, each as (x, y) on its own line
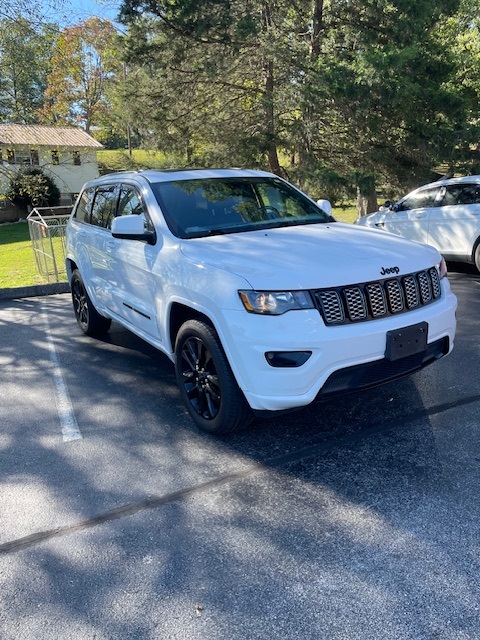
(90, 321)
(477, 257)
(207, 384)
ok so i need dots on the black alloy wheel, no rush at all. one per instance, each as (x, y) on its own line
(90, 321)
(207, 384)
(200, 378)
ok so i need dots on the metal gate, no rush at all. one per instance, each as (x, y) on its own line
(47, 232)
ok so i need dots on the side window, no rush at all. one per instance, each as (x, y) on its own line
(462, 194)
(130, 204)
(420, 200)
(84, 207)
(104, 206)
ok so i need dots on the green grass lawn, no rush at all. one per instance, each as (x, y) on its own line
(346, 213)
(18, 267)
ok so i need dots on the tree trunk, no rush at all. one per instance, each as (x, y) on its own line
(317, 26)
(308, 111)
(268, 100)
(271, 145)
(366, 196)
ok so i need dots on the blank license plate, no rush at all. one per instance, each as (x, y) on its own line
(407, 341)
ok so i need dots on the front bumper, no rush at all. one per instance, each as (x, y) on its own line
(248, 337)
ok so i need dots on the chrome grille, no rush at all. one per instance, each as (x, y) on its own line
(372, 300)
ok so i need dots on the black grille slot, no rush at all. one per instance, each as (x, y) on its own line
(376, 297)
(436, 288)
(394, 296)
(425, 287)
(356, 306)
(372, 300)
(331, 306)
(411, 291)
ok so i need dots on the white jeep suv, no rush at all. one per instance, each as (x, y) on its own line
(261, 299)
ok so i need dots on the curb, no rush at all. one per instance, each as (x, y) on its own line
(34, 290)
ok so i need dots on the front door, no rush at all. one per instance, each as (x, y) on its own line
(411, 219)
(134, 296)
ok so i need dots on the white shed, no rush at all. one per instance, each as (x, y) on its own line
(67, 154)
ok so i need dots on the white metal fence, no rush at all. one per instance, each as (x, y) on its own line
(47, 233)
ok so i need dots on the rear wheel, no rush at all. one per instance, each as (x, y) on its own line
(207, 384)
(90, 321)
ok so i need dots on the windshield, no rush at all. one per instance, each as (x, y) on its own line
(213, 206)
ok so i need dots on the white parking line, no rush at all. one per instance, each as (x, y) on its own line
(68, 422)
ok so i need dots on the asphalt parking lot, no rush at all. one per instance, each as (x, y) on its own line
(353, 519)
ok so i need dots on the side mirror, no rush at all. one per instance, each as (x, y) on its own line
(132, 228)
(325, 206)
(388, 205)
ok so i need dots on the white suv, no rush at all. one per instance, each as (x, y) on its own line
(261, 299)
(445, 214)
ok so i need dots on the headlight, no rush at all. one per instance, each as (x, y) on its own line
(274, 303)
(442, 269)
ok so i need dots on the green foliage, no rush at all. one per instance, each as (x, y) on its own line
(83, 62)
(345, 89)
(120, 160)
(32, 188)
(24, 64)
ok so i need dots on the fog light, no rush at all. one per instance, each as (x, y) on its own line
(287, 358)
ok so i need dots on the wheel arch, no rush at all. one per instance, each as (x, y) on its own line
(70, 266)
(180, 313)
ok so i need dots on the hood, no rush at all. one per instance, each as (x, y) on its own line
(310, 256)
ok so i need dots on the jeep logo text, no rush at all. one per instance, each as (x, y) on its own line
(384, 271)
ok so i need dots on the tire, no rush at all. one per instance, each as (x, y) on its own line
(90, 321)
(476, 257)
(207, 384)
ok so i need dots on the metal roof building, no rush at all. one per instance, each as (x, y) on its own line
(43, 136)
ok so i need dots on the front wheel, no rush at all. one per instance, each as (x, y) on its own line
(90, 321)
(207, 384)
(477, 257)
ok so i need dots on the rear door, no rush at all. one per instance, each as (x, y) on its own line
(102, 276)
(455, 225)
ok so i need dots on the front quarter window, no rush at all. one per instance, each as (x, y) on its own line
(420, 200)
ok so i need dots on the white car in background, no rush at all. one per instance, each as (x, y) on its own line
(444, 214)
(258, 296)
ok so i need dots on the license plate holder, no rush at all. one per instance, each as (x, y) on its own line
(407, 341)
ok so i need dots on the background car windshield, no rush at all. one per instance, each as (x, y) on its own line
(194, 208)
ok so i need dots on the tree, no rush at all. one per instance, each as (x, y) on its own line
(24, 66)
(209, 74)
(36, 12)
(357, 89)
(83, 62)
(32, 188)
